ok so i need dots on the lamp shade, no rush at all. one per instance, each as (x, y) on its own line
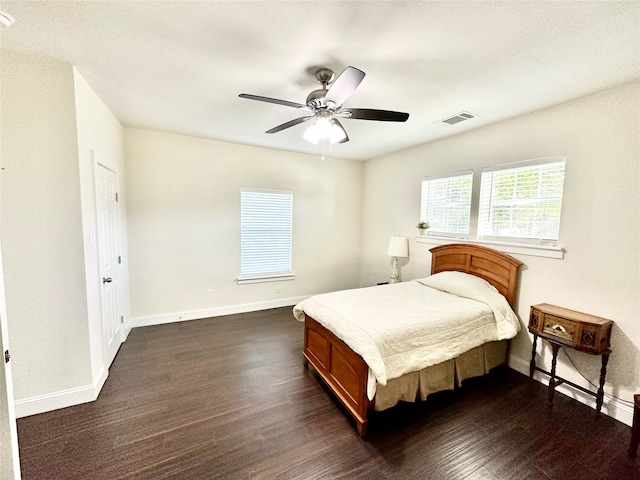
(398, 247)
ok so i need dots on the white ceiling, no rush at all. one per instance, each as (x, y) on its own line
(179, 66)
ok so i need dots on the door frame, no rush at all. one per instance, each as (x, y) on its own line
(7, 405)
(122, 334)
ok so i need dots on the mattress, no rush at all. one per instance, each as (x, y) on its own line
(406, 327)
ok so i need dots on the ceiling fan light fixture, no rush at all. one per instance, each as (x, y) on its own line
(325, 128)
(311, 134)
(337, 133)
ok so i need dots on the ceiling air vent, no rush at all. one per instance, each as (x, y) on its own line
(457, 118)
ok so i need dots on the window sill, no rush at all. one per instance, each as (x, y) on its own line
(505, 247)
(279, 277)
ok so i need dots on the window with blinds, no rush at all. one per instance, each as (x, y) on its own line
(521, 202)
(266, 228)
(446, 203)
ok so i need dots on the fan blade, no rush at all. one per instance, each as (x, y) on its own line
(288, 124)
(372, 114)
(273, 100)
(344, 85)
(346, 137)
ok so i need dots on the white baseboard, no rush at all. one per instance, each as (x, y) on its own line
(611, 407)
(161, 318)
(98, 383)
(89, 393)
(56, 400)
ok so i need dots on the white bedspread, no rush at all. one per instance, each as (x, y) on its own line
(408, 326)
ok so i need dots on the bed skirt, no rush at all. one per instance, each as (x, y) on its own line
(443, 376)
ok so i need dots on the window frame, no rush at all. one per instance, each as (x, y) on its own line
(485, 209)
(503, 244)
(252, 276)
(424, 204)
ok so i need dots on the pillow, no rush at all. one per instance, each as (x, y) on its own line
(476, 288)
(459, 283)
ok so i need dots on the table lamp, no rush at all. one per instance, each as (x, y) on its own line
(398, 247)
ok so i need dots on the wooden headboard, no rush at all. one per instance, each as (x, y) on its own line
(497, 268)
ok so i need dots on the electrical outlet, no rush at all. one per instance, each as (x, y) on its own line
(277, 288)
(209, 293)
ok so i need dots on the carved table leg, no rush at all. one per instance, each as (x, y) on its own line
(603, 373)
(552, 381)
(532, 364)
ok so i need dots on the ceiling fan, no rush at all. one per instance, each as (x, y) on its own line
(324, 107)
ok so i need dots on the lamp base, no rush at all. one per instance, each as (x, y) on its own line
(395, 275)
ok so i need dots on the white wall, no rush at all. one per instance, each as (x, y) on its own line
(99, 140)
(184, 224)
(53, 129)
(600, 273)
(42, 228)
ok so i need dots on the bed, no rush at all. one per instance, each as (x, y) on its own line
(347, 334)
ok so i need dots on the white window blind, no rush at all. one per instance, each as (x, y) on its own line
(446, 203)
(521, 202)
(266, 222)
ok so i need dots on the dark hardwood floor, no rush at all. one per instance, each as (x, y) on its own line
(228, 397)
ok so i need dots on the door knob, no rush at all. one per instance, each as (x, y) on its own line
(106, 280)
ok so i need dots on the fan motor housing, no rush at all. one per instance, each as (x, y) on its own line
(316, 98)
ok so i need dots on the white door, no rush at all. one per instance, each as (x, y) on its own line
(109, 255)
(9, 460)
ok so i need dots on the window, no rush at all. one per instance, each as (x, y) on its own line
(521, 202)
(446, 203)
(266, 226)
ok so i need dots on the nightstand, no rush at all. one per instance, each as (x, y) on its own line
(562, 327)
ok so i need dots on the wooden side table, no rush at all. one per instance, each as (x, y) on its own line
(635, 429)
(562, 327)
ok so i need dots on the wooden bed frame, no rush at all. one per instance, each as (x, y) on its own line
(345, 372)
